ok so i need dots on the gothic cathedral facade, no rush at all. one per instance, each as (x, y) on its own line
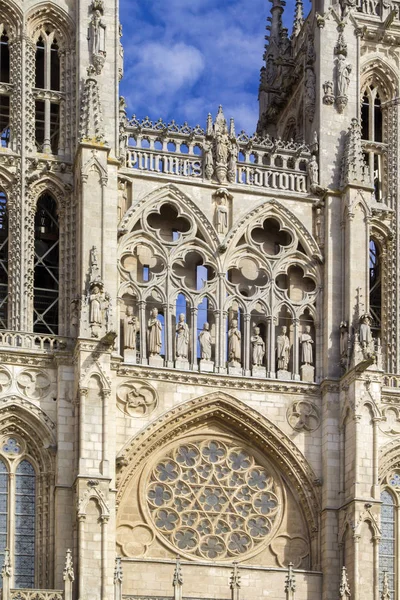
(199, 328)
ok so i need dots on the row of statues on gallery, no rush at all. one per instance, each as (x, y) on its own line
(235, 363)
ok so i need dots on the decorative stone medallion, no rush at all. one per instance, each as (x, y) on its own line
(136, 398)
(214, 500)
(303, 415)
(33, 384)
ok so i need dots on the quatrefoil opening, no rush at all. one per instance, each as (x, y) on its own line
(168, 224)
(193, 271)
(271, 237)
(248, 276)
(142, 263)
(295, 283)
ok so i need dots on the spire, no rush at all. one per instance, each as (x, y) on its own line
(344, 589)
(298, 17)
(276, 21)
(354, 169)
(385, 594)
(290, 583)
(91, 127)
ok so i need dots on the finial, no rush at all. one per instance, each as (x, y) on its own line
(68, 572)
(178, 578)
(118, 574)
(290, 583)
(344, 589)
(232, 132)
(6, 570)
(209, 128)
(298, 17)
(385, 595)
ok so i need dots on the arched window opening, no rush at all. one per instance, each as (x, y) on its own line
(3, 260)
(46, 267)
(387, 545)
(365, 117)
(4, 98)
(17, 515)
(40, 64)
(372, 134)
(54, 66)
(25, 497)
(375, 287)
(3, 511)
(4, 59)
(48, 68)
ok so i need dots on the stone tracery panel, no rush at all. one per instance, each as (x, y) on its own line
(213, 499)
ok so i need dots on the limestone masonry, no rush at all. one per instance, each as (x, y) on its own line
(199, 343)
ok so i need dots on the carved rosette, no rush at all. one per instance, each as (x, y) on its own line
(212, 499)
(136, 398)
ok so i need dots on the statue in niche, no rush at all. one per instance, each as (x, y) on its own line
(258, 346)
(233, 156)
(97, 33)
(306, 342)
(154, 329)
(343, 75)
(208, 160)
(313, 176)
(283, 349)
(344, 339)
(221, 214)
(182, 338)
(95, 298)
(131, 327)
(365, 331)
(234, 344)
(205, 342)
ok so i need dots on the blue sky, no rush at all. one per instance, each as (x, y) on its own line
(185, 57)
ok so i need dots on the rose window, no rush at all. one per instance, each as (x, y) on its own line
(211, 499)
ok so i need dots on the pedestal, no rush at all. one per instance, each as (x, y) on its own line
(182, 364)
(206, 366)
(130, 356)
(307, 373)
(234, 369)
(156, 361)
(260, 372)
(281, 374)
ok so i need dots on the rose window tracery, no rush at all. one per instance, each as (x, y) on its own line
(212, 499)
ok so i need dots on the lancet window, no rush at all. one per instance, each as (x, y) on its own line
(47, 106)
(5, 90)
(3, 260)
(373, 136)
(375, 286)
(46, 266)
(387, 548)
(250, 310)
(17, 512)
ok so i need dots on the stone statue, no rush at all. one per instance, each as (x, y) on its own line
(306, 346)
(313, 170)
(95, 302)
(365, 331)
(130, 329)
(234, 344)
(233, 156)
(343, 75)
(182, 338)
(208, 160)
(258, 345)
(221, 214)
(283, 349)
(205, 342)
(154, 328)
(344, 339)
(98, 33)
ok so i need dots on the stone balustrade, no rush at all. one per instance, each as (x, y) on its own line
(163, 149)
(23, 594)
(33, 341)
